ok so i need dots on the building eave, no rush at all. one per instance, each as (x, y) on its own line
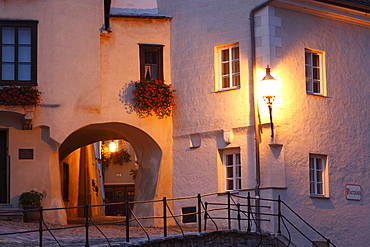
(327, 10)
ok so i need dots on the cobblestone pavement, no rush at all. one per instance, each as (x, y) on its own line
(115, 231)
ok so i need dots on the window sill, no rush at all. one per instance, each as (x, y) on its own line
(319, 196)
(227, 89)
(317, 95)
(234, 192)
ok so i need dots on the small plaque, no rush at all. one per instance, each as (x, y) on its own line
(25, 154)
(353, 192)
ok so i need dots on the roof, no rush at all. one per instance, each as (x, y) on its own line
(360, 5)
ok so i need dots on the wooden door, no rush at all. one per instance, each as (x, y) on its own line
(4, 168)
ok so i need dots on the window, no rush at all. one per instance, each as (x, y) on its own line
(18, 52)
(66, 182)
(231, 161)
(318, 175)
(314, 63)
(320, 244)
(151, 62)
(228, 66)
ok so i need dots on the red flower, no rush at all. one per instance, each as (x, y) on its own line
(153, 96)
(19, 95)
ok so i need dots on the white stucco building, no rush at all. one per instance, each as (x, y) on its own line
(220, 137)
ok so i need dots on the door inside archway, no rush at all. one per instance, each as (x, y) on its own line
(119, 170)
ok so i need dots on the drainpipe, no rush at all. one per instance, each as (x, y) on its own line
(255, 107)
(107, 4)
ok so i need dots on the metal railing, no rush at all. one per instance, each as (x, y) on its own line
(237, 209)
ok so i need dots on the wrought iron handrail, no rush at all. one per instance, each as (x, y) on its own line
(244, 212)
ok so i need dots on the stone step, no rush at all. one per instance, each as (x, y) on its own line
(8, 213)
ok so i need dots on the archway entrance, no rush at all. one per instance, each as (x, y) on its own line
(80, 165)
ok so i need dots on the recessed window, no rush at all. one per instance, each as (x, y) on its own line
(232, 168)
(315, 72)
(66, 182)
(18, 52)
(151, 62)
(228, 66)
(318, 175)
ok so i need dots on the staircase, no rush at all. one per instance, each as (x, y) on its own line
(8, 213)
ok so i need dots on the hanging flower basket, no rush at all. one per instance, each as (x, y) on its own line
(153, 97)
(119, 158)
(20, 96)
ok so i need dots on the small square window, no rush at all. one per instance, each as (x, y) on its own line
(189, 214)
(315, 72)
(18, 40)
(318, 174)
(228, 66)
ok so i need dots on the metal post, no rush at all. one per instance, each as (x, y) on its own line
(127, 207)
(205, 215)
(272, 124)
(40, 225)
(328, 240)
(164, 216)
(228, 210)
(238, 206)
(87, 225)
(279, 214)
(199, 213)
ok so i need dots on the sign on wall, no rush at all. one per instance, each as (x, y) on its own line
(353, 192)
(25, 154)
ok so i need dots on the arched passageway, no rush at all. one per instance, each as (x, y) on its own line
(147, 151)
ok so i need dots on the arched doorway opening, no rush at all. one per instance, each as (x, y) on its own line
(79, 164)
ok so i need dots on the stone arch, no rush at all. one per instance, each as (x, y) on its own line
(148, 152)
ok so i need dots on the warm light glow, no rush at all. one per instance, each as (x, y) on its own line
(268, 84)
(112, 147)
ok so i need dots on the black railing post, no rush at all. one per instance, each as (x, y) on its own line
(205, 215)
(87, 225)
(127, 207)
(228, 210)
(164, 216)
(249, 212)
(279, 215)
(238, 206)
(328, 241)
(199, 213)
(40, 225)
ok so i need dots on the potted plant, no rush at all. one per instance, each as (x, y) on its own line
(31, 200)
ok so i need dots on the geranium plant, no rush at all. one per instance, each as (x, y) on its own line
(153, 97)
(20, 96)
(119, 158)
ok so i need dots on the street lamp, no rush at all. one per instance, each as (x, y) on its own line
(269, 84)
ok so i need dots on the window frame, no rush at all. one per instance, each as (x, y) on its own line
(310, 79)
(314, 180)
(16, 24)
(152, 48)
(236, 180)
(231, 72)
